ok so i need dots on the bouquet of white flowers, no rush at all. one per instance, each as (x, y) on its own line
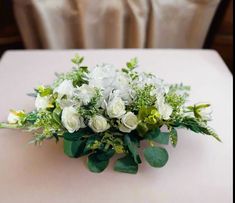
(104, 111)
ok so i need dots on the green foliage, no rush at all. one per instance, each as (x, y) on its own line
(9, 126)
(74, 149)
(162, 138)
(144, 98)
(77, 75)
(196, 126)
(44, 91)
(156, 156)
(129, 69)
(176, 97)
(157, 136)
(95, 165)
(98, 161)
(93, 143)
(149, 119)
(132, 147)
(77, 59)
(126, 165)
(77, 135)
(111, 141)
(46, 122)
(92, 107)
(38, 139)
(31, 117)
(132, 64)
(173, 137)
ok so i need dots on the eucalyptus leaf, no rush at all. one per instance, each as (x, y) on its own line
(76, 135)
(132, 146)
(74, 149)
(163, 138)
(126, 165)
(156, 156)
(105, 155)
(96, 165)
(153, 134)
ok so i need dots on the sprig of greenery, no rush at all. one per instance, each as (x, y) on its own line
(196, 126)
(130, 67)
(143, 98)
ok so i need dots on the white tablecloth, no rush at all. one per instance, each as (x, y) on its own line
(199, 168)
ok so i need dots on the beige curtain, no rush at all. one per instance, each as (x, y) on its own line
(60, 24)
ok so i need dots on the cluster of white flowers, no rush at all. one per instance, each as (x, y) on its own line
(104, 110)
(117, 92)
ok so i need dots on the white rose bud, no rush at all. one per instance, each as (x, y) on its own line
(71, 120)
(98, 124)
(129, 122)
(13, 116)
(116, 108)
(42, 103)
(66, 88)
(204, 111)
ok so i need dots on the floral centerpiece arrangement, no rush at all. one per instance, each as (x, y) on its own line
(104, 111)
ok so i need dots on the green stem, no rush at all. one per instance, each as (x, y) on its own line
(9, 126)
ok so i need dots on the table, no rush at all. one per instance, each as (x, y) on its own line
(199, 168)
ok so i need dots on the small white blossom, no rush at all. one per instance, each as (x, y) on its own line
(98, 124)
(129, 122)
(116, 108)
(164, 109)
(85, 93)
(41, 103)
(66, 88)
(71, 120)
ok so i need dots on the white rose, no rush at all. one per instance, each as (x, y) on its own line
(98, 124)
(116, 108)
(164, 109)
(71, 120)
(129, 122)
(85, 93)
(66, 88)
(42, 103)
(13, 116)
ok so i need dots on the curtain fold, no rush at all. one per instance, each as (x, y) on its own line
(64, 24)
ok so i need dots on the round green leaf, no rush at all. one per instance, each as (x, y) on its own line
(156, 156)
(74, 149)
(95, 165)
(126, 165)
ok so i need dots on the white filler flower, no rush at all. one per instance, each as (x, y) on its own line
(41, 103)
(164, 109)
(129, 122)
(71, 120)
(98, 124)
(116, 108)
(85, 93)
